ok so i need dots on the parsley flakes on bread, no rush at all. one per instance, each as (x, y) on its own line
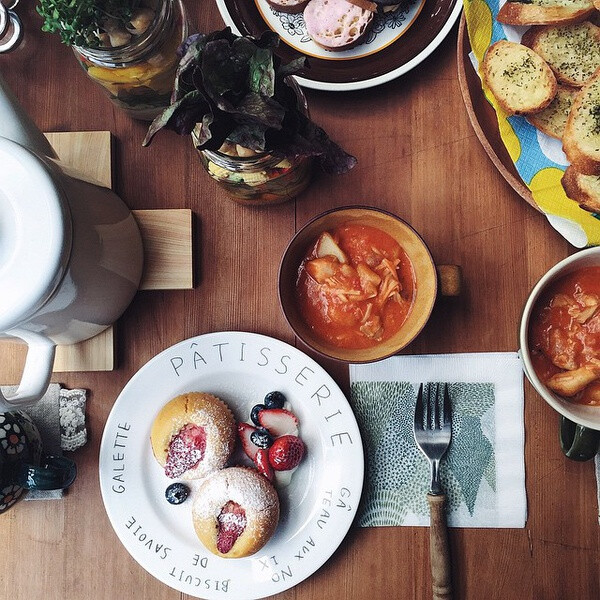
(581, 140)
(553, 119)
(520, 79)
(565, 40)
(571, 51)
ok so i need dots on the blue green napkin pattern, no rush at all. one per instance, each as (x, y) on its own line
(398, 474)
(482, 473)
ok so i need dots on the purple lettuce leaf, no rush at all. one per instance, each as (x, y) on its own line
(234, 88)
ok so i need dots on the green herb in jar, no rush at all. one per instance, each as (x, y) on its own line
(94, 23)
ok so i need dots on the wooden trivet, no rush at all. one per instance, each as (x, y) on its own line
(168, 256)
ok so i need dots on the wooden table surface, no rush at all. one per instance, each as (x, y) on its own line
(419, 158)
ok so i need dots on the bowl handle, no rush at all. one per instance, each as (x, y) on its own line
(449, 279)
(578, 442)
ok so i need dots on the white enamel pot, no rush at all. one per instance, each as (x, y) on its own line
(70, 252)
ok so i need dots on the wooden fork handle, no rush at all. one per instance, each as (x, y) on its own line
(439, 548)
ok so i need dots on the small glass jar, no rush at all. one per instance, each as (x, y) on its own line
(139, 75)
(261, 179)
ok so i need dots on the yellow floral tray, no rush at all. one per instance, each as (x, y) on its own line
(538, 159)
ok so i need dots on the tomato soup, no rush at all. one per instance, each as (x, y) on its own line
(564, 336)
(355, 286)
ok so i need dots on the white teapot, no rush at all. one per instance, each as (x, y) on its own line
(70, 251)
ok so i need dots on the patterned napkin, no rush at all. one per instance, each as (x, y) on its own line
(483, 473)
(539, 158)
(60, 418)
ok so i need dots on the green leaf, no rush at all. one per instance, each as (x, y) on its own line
(78, 22)
(261, 74)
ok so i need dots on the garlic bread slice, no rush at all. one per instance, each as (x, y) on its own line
(572, 51)
(584, 189)
(553, 119)
(520, 80)
(545, 12)
(581, 139)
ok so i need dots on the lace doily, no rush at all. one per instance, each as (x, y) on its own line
(73, 432)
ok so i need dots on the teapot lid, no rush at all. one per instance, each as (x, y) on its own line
(35, 234)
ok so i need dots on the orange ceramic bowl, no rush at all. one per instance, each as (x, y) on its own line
(410, 241)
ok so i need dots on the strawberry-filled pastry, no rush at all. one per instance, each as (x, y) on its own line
(235, 512)
(193, 435)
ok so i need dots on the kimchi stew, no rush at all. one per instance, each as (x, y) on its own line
(564, 336)
(355, 286)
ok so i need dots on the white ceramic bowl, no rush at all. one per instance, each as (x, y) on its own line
(588, 416)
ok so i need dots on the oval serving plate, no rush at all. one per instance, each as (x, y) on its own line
(317, 506)
(395, 45)
(483, 117)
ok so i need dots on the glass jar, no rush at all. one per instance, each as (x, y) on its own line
(263, 178)
(139, 75)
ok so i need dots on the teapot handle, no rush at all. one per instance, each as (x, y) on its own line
(36, 373)
(55, 473)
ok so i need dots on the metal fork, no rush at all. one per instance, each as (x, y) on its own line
(433, 431)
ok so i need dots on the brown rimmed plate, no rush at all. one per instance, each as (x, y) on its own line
(483, 117)
(426, 32)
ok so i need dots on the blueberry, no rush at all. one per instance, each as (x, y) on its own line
(261, 438)
(274, 400)
(254, 413)
(177, 493)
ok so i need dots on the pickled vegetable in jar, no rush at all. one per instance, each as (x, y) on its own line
(258, 179)
(137, 64)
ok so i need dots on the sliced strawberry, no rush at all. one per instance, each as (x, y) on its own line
(245, 430)
(286, 452)
(278, 421)
(186, 450)
(231, 523)
(261, 460)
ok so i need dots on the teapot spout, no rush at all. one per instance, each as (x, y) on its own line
(17, 126)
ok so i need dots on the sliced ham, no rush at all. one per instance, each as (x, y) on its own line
(336, 24)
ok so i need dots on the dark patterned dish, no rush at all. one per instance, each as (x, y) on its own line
(395, 44)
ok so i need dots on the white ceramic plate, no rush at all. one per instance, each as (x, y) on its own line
(318, 505)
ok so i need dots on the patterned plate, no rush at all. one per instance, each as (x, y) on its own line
(396, 42)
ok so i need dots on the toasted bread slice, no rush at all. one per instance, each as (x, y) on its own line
(581, 139)
(572, 51)
(520, 80)
(584, 189)
(336, 24)
(545, 12)
(597, 4)
(288, 6)
(553, 118)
